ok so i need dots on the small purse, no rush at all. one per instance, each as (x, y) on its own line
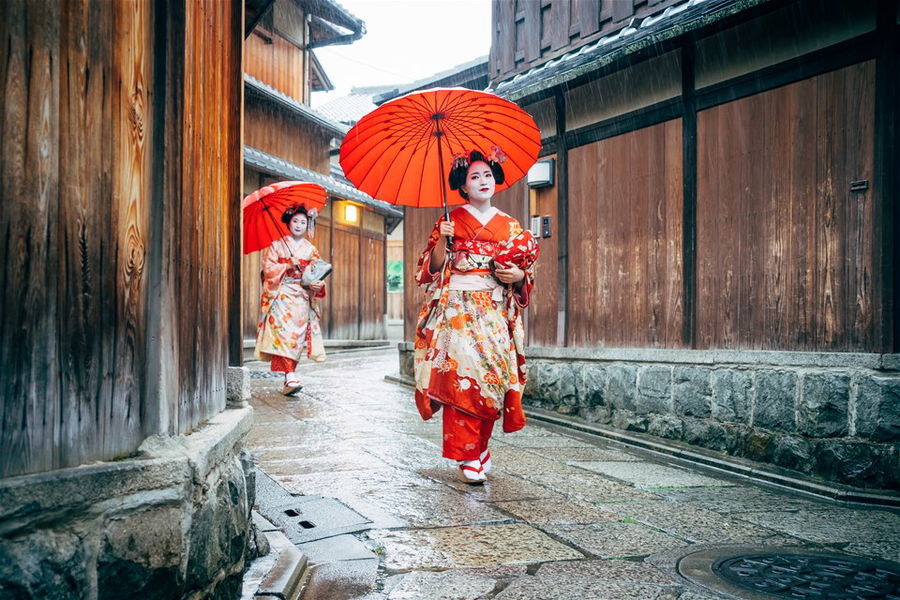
(315, 271)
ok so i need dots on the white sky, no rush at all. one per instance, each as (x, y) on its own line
(406, 40)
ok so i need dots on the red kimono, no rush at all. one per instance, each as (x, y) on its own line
(469, 348)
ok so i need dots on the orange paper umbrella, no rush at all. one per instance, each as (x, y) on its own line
(401, 151)
(264, 207)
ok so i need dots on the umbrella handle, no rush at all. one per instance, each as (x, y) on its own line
(440, 135)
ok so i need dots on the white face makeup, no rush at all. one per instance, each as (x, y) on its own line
(480, 182)
(297, 225)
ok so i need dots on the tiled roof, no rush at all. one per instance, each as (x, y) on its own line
(348, 109)
(341, 188)
(674, 21)
(254, 86)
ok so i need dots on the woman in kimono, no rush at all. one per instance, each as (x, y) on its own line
(469, 348)
(288, 316)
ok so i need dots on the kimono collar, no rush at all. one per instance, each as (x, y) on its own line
(483, 217)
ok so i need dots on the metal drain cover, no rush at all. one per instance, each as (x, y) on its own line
(796, 573)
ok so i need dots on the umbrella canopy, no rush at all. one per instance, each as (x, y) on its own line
(401, 151)
(264, 207)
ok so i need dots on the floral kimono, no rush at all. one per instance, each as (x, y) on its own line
(288, 318)
(469, 348)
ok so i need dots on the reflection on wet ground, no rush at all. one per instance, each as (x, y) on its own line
(561, 516)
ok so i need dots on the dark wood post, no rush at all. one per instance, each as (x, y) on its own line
(562, 220)
(887, 220)
(689, 194)
(236, 168)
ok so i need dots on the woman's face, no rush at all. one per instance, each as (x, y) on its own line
(297, 225)
(480, 182)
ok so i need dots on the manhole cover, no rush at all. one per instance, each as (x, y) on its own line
(794, 573)
(809, 576)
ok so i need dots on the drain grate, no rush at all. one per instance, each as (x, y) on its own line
(800, 576)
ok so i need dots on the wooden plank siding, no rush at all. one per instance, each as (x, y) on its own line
(274, 131)
(278, 63)
(117, 176)
(625, 240)
(345, 283)
(785, 250)
(543, 312)
(417, 226)
(199, 249)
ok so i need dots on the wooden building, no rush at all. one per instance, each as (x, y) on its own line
(721, 264)
(285, 139)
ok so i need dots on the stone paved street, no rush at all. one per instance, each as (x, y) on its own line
(563, 515)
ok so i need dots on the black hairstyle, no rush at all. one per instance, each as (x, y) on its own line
(293, 210)
(460, 169)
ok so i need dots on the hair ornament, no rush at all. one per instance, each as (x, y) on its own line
(497, 155)
(461, 160)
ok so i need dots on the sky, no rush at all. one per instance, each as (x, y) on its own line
(405, 40)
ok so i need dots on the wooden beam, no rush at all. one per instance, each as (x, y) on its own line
(689, 195)
(562, 221)
(834, 57)
(887, 221)
(235, 135)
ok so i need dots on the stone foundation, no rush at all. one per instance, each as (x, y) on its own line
(173, 522)
(832, 416)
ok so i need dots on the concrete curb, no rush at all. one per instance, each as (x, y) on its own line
(282, 573)
(287, 577)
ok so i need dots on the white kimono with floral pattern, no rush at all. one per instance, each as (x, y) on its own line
(288, 317)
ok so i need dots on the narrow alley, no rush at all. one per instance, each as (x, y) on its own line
(563, 515)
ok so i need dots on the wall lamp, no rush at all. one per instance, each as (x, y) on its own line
(351, 213)
(541, 174)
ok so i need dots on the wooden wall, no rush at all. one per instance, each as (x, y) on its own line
(785, 250)
(274, 131)
(417, 226)
(543, 310)
(110, 194)
(625, 239)
(75, 226)
(277, 63)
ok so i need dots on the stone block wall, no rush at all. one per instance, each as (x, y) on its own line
(173, 522)
(831, 416)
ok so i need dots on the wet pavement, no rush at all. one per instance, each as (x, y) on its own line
(563, 515)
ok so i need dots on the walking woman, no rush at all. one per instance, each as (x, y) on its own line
(469, 348)
(288, 317)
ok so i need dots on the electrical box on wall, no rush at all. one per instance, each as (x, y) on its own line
(535, 226)
(545, 227)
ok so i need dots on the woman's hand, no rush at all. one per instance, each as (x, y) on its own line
(447, 228)
(316, 286)
(439, 253)
(510, 275)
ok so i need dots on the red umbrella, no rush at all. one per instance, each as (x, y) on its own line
(400, 151)
(264, 207)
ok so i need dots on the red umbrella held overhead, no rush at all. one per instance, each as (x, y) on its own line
(264, 207)
(401, 151)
